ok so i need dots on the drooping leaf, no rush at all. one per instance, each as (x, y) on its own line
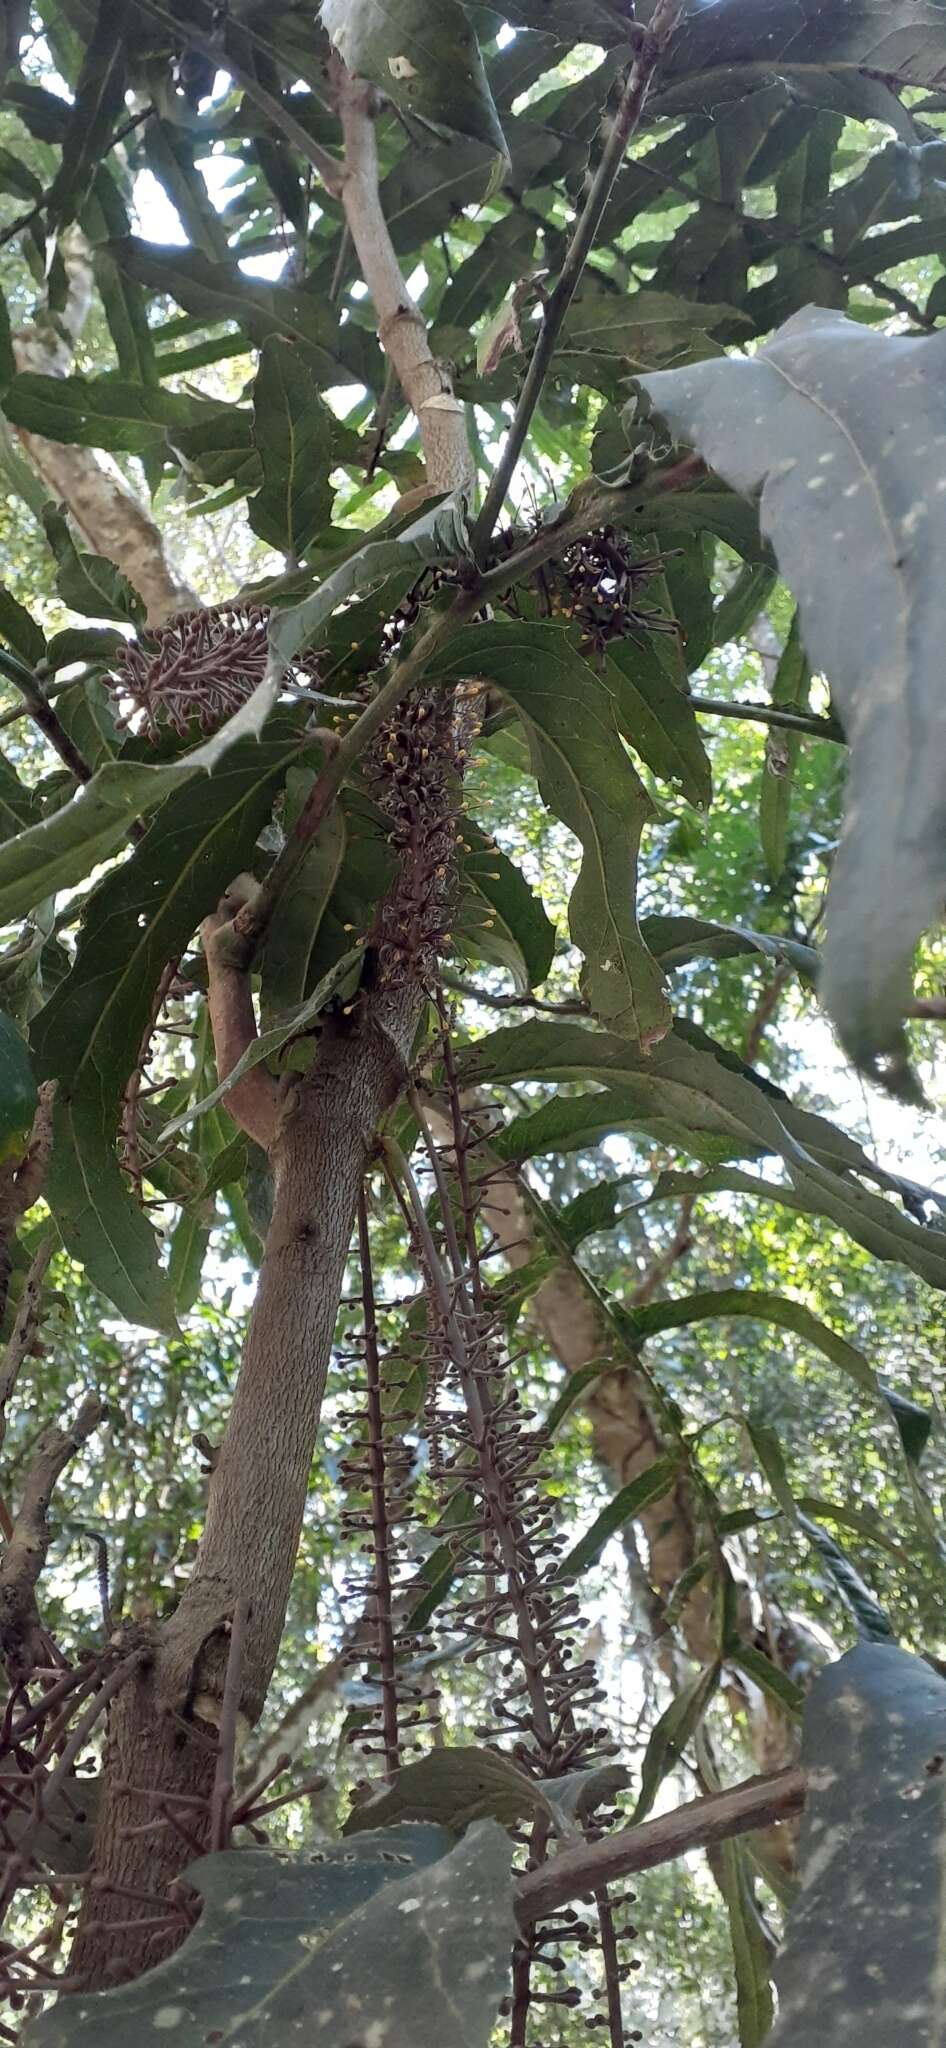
(751, 1952)
(648, 675)
(438, 533)
(861, 1960)
(791, 687)
(100, 97)
(425, 57)
(329, 1941)
(724, 49)
(629, 1501)
(17, 1091)
(96, 412)
(671, 1734)
(292, 429)
(856, 518)
(585, 777)
(292, 937)
(768, 1306)
(88, 1036)
(518, 934)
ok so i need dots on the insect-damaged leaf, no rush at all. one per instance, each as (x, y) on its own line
(574, 723)
(325, 1947)
(862, 1957)
(857, 514)
(425, 57)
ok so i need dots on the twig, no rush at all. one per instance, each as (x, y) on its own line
(221, 1797)
(652, 42)
(41, 712)
(24, 1328)
(588, 1867)
(25, 1554)
(770, 714)
(576, 1008)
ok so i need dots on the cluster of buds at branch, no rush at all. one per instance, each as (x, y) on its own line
(596, 582)
(198, 668)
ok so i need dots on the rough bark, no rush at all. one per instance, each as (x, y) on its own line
(106, 513)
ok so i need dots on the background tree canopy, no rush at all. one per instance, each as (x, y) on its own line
(471, 856)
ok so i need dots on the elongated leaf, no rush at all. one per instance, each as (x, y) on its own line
(791, 687)
(17, 1091)
(574, 1387)
(676, 940)
(671, 1734)
(332, 1941)
(863, 1949)
(856, 518)
(96, 412)
(648, 675)
(725, 49)
(425, 57)
(767, 1676)
(750, 1949)
(769, 1307)
(88, 1036)
(292, 429)
(587, 780)
(20, 630)
(516, 917)
(628, 1502)
(293, 935)
(439, 533)
(100, 97)
(872, 1622)
(452, 1787)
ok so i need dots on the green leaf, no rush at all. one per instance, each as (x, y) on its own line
(856, 518)
(648, 676)
(596, 1208)
(671, 1734)
(20, 630)
(218, 291)
(89, 583)
(676, 940)
(330, 1940)
(89, 1034)
(272, 1040)
(576, 1384)
(791, 689)
(721, 52)
(452, 1787)
(287, 954)
(629, 1502)
(572, 719)
(439, 533)
(425, 57)
(63, 848)
(292, 429)
(17, 1091)
(754, 2008)
(189, 1242)
(862, 1959)
(96, 412)
(767, 1676)
(99, 100)
(768, 1450)
(913, 1424)
(525, 935)
(769, 1307)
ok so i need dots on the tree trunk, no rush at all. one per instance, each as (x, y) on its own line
(162, 1730)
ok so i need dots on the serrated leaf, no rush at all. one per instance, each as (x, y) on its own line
(334, 1938)
(628, 1502)
(89, 583)
(671, 1734)
(87, 1038)
(425, 57)
(862, 1954)
(585, 777)
(292, 430)
(856, 518)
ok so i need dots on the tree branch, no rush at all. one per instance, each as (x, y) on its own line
(770, 714)
(756, 1804)
(651, 45)
(25, 1554)
(425, 382)
(254, 1101)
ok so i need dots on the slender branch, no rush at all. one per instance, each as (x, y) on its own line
(24, 1328)
(25, 1554)
(492, 1001)
(698, 1824)
(770, 714)
(652, 42)
(41, 711)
